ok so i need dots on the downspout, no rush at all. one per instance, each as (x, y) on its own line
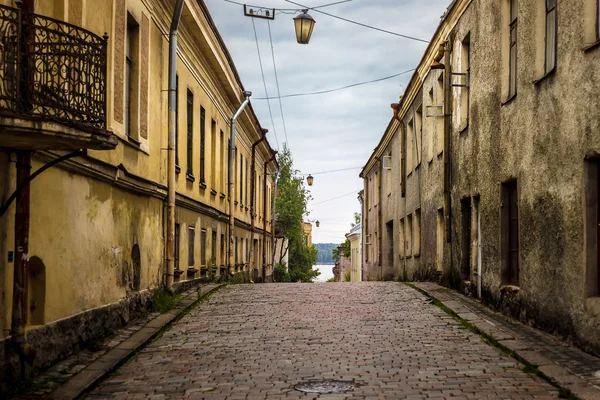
(264, 241)
(379, 219)
(171, 177)
(253, 194)
(447, 132)
(247, 94)
(19, 307)
(396, 108)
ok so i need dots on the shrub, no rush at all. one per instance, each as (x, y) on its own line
(280, 274)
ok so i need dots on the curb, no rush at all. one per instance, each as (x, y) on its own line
(94, 373)
(570, 385)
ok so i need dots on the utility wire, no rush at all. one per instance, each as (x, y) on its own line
(336, 89)
(335, 170)
(277, 83)
(361, 24)
(264, 83)
(335, 198)
(297, 10)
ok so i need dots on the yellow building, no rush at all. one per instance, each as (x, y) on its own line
(307, 232)
(97, 222)
(355, 238)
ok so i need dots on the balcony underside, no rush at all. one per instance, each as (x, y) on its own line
(32, 134)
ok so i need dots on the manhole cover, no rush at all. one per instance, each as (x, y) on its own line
(325, 387)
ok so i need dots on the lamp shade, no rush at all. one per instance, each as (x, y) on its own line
(309, 180)
(304, 25)
(317, 223)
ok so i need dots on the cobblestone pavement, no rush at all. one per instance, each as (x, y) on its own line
(258, 341)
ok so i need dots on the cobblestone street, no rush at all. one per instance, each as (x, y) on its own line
(259, 341)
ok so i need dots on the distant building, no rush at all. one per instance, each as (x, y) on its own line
(341, 267)
(355, 238)
(307, 233)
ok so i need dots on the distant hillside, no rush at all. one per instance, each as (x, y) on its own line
(324, 249)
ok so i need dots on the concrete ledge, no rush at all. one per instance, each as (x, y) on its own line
(516, 340)
(96, 371)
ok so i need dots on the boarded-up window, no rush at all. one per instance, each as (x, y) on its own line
(551, 31)
(512, 63)
(202, 144)
(510, 233)
(191, 242)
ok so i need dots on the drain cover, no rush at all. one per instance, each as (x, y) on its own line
(325, 387)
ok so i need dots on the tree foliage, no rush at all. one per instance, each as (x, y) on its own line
(291, 208)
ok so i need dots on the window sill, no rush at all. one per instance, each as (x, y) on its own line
(510, 289)
(463, 128)
(213, 192)
(222, 195)
(592, 305)
(202, 185)
(134, 144)
(191, 270)
(591, 47)
(546, 75)
(235, 203)
(133, 141)
(430, 161)
(409, 174)
(177, 169)
(246, 208)
(440, 154)
(508, 100)
(190, 177)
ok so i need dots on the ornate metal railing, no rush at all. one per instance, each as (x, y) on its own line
(51, 70)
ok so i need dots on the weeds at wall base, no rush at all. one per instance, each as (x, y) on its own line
(528, 368)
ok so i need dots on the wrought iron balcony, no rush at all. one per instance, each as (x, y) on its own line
(51, 72)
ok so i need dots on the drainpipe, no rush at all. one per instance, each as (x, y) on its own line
(19, 307)
(232, 180)
(253, 193)
(264, 241)
(171, 177)
(273, 221)
(396, 110)
(447, 132)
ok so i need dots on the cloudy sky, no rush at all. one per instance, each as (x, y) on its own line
(337, 130)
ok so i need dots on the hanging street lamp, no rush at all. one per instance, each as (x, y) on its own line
(317, 223)
(309, 180)
(304, 24)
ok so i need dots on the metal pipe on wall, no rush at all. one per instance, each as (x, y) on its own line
(247, 94)
(447, 132)
(263, 136)
(171, 177)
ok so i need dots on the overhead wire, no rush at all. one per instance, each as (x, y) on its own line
(335, 198)
(337, 89)
(361, 24)
(334, 170)
(277, 84)
(265, 83)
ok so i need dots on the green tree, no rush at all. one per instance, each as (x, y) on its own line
(291, 208)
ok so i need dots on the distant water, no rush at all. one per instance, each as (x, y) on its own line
(326, 272)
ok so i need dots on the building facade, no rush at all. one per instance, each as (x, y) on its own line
(355, 253)
(492, 158)
(97, 226)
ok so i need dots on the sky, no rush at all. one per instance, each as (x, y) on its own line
(337, 130)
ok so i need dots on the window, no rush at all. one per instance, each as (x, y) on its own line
(410, 145)
(417, 234)
(247, 252)
(598, 20)
(432, 125)
(203, 248)
(440, 240)
(512, 63)
(176, 247)
(247, 180)
(223, 261)
(465, 81)
(202, 144)
(213, 153)
(131, 47)
(510, 233)
(191, 239)
(409, 235)
(190, 132)
(418, 134)
(241, 195)
(592, 227)
(401, 240)
(177, 122)
(236, 251)
(466, 221)
(213, 249)
(439, 122)
(223, 158)
(551, 31)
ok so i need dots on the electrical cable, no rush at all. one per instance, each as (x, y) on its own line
(335, 170)
(264, 83)
(296, 10)
(277, 83)
(337, 89)
(361, 24)
(335, 198)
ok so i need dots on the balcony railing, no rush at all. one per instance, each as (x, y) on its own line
(51, 70)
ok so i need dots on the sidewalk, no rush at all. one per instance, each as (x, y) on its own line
(73, 376)
(561, 363)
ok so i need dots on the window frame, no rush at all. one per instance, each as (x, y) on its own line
(176, 246)
(202, 145)
(513, 42)
(191, 246)
(203, 248)
(190, 133)
(549, 11)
